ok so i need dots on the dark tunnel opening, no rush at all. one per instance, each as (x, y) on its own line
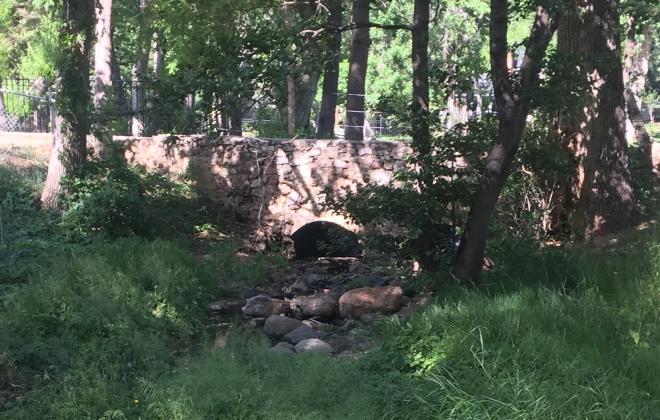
(325, 239)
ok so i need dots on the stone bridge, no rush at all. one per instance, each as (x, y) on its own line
(273, 186)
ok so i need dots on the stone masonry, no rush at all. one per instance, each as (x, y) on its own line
(273, 186)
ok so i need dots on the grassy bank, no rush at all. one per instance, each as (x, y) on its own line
(116, 328)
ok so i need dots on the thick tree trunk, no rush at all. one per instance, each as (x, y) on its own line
(607, 198)
(512, 102)
(71, 127)
(420, 70)
(326, 120)
(601, 197)
(102, 75)
(357, 73)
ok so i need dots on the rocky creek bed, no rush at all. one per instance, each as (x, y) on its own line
(322, 306)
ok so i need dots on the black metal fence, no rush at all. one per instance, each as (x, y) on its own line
(147, 107)
(25, 105)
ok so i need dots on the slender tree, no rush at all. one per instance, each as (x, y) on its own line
(512, 98)
(139, 72)
(357, 73)
(71, 126)
(102, 73)
(635, 71)
(420, 71)
(326, 121)
(290, 80)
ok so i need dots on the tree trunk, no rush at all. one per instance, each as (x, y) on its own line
(607, 197)
(420, 70)
(310, 72)
(119, 91)
(138, 74)
(326, 121)
(357, 73)
(635, 71)
(512, 100)
(102, 75)
(306, 92)
(290, 81)
(601, 197)
(71, 127)
(236, 123)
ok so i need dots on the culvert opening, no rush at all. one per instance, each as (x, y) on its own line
(325, 239)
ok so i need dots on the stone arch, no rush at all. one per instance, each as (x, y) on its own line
(322, 238)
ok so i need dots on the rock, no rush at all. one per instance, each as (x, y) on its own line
(314, 279)
(256, 322)
(301, 333)
(300, 287)
(226, 306)
(277, 325)
(313, 345)
(251, 292)
(357, 267)
(321, 306)
(366, 300)
(283, 348)
(263, 305)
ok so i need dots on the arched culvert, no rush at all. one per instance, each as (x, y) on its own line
(325, 239)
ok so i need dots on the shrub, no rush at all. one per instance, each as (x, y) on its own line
(115, 199)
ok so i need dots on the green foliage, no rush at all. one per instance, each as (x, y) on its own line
(582, 346)
(115, 199)
(427, 197)
(88, 323)
(24, 230)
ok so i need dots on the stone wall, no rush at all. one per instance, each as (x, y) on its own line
(273, 186)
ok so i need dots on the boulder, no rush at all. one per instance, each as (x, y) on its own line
(303, 332)
(226, 306)
(300, 287)
(321, 306)
(313, 345)
(262, 305)
(283, 348)
(366, 300)
(314, 279)
(277, 325)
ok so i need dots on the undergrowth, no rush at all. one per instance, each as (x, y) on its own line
(116, 328)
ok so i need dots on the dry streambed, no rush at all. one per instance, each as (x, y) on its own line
(323, 306)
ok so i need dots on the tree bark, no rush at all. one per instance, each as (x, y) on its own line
(71, 126)
(102, 75)
(357, 73)
(601, 198)
(607, 199)
(119, 91)
(138, 74)
(310, 73)
(635, 71)
(290, 81)
(512, 100)
(420, 70)
(326, 121)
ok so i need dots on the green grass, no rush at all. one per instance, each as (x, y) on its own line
(116, 329)
(654, 131)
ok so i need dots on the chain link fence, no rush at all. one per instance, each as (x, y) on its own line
(25, 105)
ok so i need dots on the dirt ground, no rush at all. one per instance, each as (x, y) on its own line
(25, 149)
